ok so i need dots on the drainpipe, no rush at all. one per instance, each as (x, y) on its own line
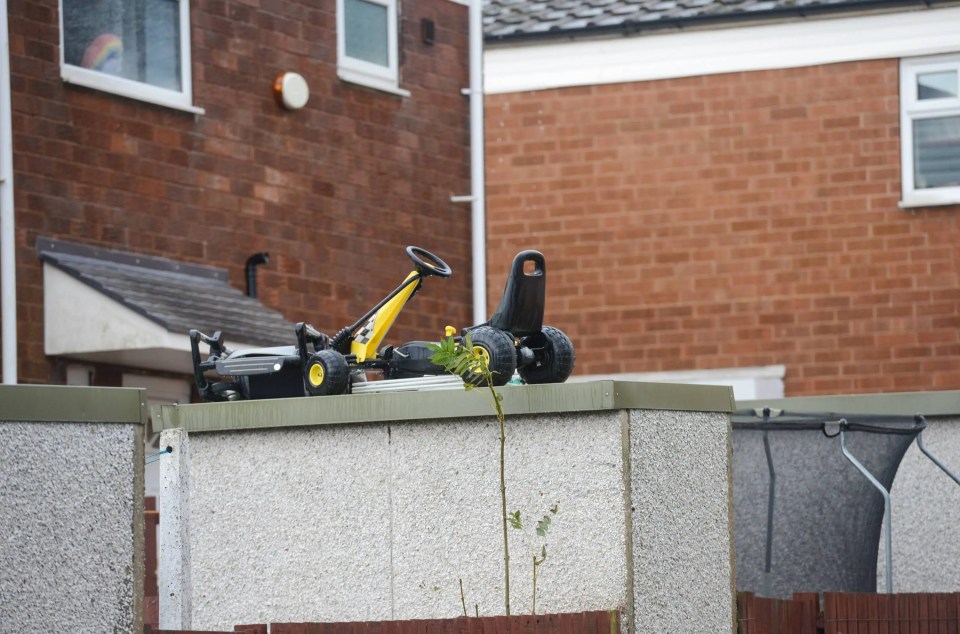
(478, 219)
(8, 278)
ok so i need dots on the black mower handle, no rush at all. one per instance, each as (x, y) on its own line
(427, 263)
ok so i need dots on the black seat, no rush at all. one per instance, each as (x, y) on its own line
(521, 306)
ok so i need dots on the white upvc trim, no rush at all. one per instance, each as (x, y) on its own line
(358, 71)
(809, 42)
(128, 88)
(912, 109)
(180, 100)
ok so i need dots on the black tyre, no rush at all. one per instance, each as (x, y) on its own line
(553, 357)
(326, 373)
(498, 350)
(226, 391)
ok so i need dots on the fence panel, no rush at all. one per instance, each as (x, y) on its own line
(929, 613)
(574, 623)
(760, 615)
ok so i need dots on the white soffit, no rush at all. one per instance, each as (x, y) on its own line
(809, 42)
(82, 323)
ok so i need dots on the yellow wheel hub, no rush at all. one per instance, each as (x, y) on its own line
(316, 374)
(484, 355)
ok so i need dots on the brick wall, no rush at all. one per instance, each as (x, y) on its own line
(728, 221)
(334, 192)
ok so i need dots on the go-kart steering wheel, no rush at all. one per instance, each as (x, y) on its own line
(428, 263)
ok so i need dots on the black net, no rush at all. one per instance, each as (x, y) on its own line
(820, 529)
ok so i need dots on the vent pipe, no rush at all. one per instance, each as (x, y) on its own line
(253, 262)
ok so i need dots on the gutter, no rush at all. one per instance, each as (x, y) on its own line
(8, 278)
(715, 19)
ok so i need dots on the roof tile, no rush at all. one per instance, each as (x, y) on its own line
(176, 295)
(507, 18)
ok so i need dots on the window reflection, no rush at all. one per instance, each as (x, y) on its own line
(936, 151)
(133, 39)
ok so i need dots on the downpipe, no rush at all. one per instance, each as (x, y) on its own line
(8, 277)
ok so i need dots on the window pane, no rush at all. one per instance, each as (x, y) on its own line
(936, 151)
(161, 44)
(366, 31)
(134, 39)
(937, 85)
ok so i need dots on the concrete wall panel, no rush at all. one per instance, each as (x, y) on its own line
(71, 495)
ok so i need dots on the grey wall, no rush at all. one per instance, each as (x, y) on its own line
(70, 497)
(380, 521)
(682, 522)
(926, 515)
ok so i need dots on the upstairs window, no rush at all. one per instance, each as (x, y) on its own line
(930, 130)
(136, 48)
(367, 44)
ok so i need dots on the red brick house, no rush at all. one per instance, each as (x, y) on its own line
(149, 134)
(753, 191)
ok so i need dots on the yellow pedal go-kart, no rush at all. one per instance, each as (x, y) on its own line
(513, 340)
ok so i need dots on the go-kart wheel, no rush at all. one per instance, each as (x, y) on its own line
(553, 357)
(498, 350)
(226, 391)
(428, 263)
(326, 373)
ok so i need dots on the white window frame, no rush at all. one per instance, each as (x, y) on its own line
(912, 109)
(358, 71)
(181, 100)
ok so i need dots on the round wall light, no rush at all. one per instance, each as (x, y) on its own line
(291, 90)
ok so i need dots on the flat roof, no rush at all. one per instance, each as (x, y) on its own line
(455, 403)
(68, 403)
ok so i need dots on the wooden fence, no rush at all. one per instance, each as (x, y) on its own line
(891, 613)
(151, 603)
(849, 613)
(759, 615)
(577, 623)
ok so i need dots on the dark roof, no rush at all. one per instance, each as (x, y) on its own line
(529, 19)
(176, 295)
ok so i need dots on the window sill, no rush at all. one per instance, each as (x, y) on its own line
(127, 88)
(376, 83)
(920, 204)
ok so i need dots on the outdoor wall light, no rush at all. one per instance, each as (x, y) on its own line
(291, 90)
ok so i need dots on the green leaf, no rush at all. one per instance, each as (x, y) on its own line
(543, 526)
(514, 519)
(553, 509)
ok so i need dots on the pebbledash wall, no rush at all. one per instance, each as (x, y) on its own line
(747, 218)
(71, 509)
(925, 501)
(376, 506)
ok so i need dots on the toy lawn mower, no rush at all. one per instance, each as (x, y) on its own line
(321, 365)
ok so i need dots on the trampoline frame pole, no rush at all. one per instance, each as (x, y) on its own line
(771, 501)
(886, 504)
(937, 462)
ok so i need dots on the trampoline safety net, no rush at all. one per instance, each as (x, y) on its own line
(805, 518)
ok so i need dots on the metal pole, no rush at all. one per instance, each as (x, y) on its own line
(8, 277)
(935, 460)
(478, 220)
(886, 505)
(771, 501)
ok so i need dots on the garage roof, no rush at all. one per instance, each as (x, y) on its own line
(113, 301)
